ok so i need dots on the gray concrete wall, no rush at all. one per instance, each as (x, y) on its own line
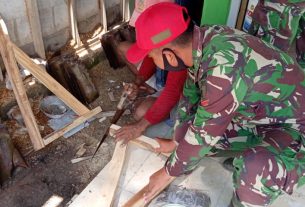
(54, 19)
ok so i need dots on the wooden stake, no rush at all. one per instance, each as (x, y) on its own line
(103, 16)
(241, 14)
(33, 16)
(125, 10)
(73, 22)
(6, 49)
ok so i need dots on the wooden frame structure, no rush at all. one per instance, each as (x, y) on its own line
(99, 193)
(11, 54)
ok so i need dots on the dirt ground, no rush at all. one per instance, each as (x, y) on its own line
(50, 169)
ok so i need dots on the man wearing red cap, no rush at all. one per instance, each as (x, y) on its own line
(241, 95)
(154, 114)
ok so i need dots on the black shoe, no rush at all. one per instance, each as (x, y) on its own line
(228, 164)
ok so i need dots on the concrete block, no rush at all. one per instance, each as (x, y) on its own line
(61, 16)
(57, 40)
(23, 31)
(89, 24)
(113, 15)
(29, 49)
(44, 4)
(12, 9)
(111, 3)
(86, 8)
(47, 21)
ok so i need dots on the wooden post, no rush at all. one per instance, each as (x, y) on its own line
(241, 14)
(103, 16)
(125, 10)
(33, 16)
(6, 49)
(73, 23)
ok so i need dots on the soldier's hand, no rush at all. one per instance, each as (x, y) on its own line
(166, 145)
(157, 182)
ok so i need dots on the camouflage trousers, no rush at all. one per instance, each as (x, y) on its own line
(270, 162)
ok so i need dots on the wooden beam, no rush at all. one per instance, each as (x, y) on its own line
(101, 190)
(33, 16)
(1, 74)
(55, 135)
(73, 22)
(148, 144)
(138, 201)
(241, 14)
(47, 80)
(103, 16)
(141, 141)
(6, 49)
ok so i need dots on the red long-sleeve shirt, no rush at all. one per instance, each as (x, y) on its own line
(169, 96)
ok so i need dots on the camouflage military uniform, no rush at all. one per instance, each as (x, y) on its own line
(280, 22)
(243, 95)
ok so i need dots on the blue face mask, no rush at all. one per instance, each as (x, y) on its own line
(181, 66)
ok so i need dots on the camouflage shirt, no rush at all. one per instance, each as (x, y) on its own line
(235, 77)
(280, 22)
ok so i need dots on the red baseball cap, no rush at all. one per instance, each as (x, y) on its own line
(140, 6)
(156, 26)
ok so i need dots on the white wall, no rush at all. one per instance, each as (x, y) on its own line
(54, 19)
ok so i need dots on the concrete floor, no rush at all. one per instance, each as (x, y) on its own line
(140, 164)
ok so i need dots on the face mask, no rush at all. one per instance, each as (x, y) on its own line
(181, 66)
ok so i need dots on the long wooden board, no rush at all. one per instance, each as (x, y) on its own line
(101, 190)
(103, 16)
(33, 15)
(6, 49)
(73, 22)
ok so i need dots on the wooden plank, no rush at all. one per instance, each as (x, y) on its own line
(55, 135)
(142, 141)
(149, 144)
(33, 16)
(6, 49)
(101, 190)
(73, 22)
(138, 201)
(103, 16)
(241, 14)
(47, 80)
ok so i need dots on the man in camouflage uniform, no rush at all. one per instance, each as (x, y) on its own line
(242, 95)
(281, 22)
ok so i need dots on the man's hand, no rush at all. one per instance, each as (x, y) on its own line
(157, 182)
(132, 90)
(131, 131)
(166, 145)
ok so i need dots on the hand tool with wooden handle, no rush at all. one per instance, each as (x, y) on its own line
(119, 112)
